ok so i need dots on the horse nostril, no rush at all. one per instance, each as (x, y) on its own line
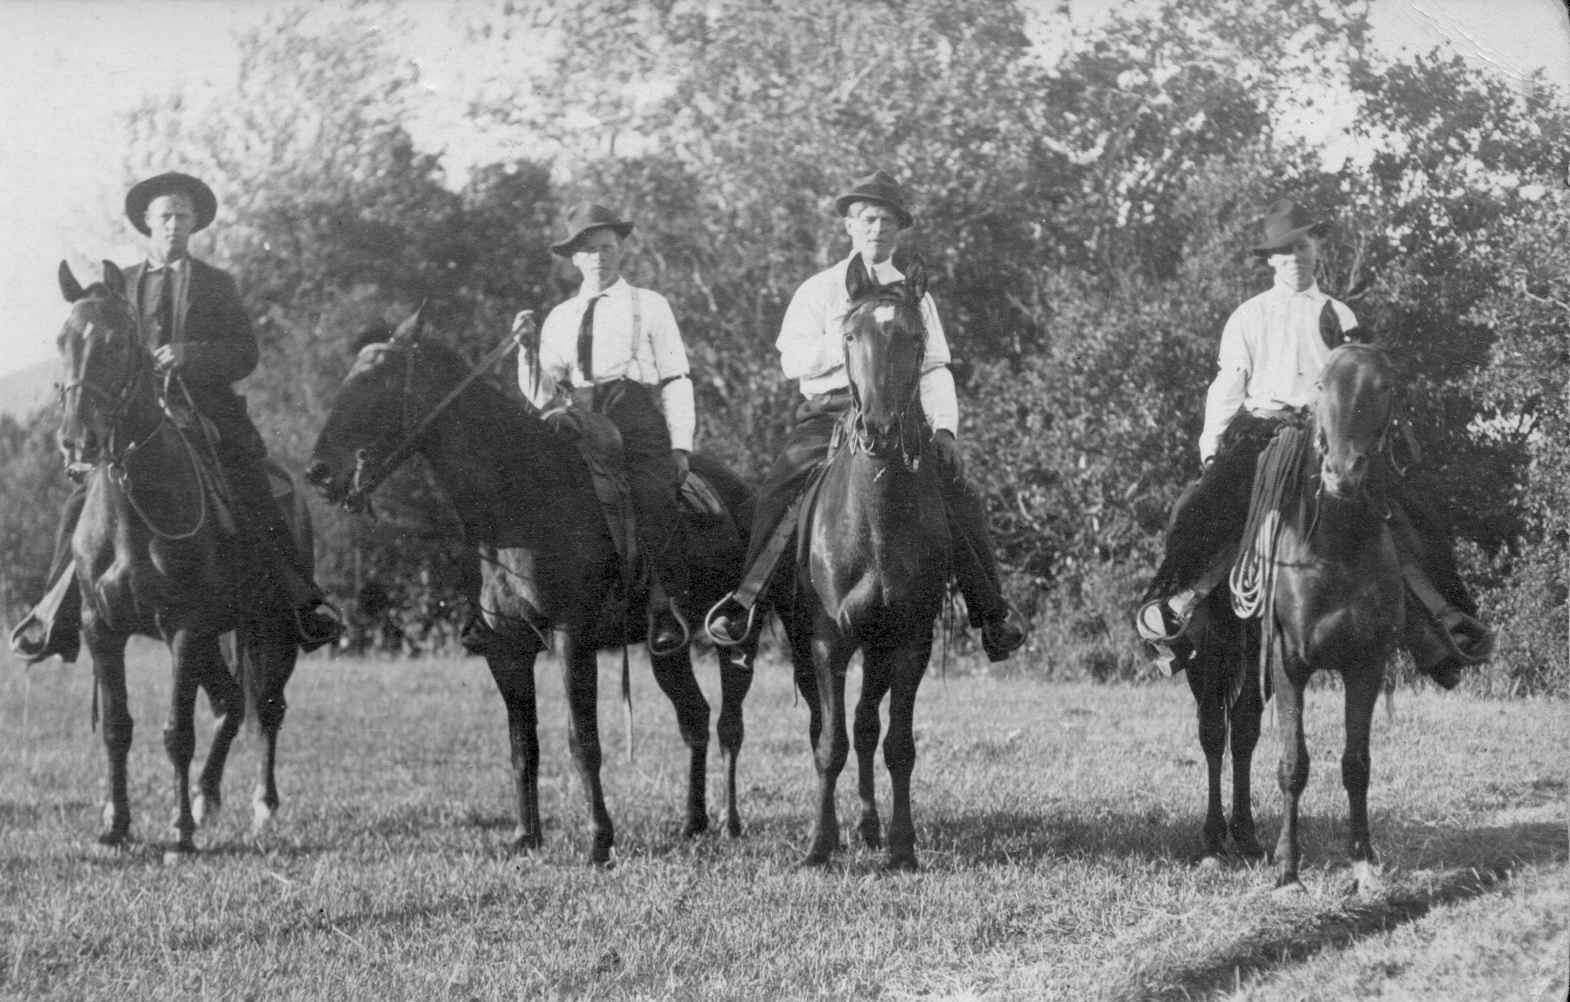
(317, 474)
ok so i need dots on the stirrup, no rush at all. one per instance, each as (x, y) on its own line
(725, 638)
(1472, 640)
(1158, 623)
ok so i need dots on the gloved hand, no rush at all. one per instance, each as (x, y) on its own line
(683, 465)
(946, 450)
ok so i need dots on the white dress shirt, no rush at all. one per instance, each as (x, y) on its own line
(812, 347)
(1270, 358)
(635, 337)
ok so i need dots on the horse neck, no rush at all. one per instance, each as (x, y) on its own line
(497, 462)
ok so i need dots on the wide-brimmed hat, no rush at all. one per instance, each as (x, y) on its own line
(584, 218)
(142, 194)
(1284, 223)
(880, 187)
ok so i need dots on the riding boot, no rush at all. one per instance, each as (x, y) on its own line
(269, 536)
(53, 626)
(1441, 632)
(1003, 630)
(734, 618)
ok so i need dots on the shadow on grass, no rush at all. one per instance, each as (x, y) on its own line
(1499, 853)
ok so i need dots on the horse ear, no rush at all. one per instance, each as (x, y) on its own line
(412, 325)
(916, 279)
(1330, 326)
(114, 278)
(857, 279)
(70, 288)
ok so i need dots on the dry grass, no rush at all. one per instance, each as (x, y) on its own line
(1057, 827)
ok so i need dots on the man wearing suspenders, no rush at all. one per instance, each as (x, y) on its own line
(613, 348)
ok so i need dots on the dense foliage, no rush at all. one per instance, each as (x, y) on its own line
(1085, 200)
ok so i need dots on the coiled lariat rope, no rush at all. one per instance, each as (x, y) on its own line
(1277, 483)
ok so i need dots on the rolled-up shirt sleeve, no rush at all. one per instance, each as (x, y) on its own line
(939, 401)
(540, 373)
(1229, 388)
(672, 371)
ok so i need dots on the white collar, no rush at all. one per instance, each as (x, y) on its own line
(613, 289)
(178, 264)
(1287, 292)
(882, 273)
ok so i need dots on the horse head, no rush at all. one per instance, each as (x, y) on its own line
(368, 429)
(105, 365)
(1352, 417)
(885, 340)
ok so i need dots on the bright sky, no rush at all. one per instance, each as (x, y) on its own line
(68, 66)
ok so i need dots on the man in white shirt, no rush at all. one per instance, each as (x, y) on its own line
(812, 351)
(1273, 348)
(613, 348)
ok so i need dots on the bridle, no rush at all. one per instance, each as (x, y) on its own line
(371, 472)
(1383, 450)
(904, 446)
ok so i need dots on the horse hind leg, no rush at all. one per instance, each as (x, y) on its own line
(674, 674)
(227, 701)
(1245, 716)
(735, 680)
(1210, 709)
(865, 733)
(1291, 776)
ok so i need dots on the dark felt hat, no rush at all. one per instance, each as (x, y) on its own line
(142, 194)
(585, 217)
(1284, 223)
(880, 187)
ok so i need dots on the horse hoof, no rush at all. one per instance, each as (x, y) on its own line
(871, 836)
(693, 829)
(1366, 881)
(1250, 850)
(1290, 887)
(902, 864)
(733, 827)
(1209, 862)
(525, 843)
(205, 808)
(113, 839)
(180, 852)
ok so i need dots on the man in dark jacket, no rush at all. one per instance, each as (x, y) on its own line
(193, 322)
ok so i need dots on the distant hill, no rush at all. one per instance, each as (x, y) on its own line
(27, 389)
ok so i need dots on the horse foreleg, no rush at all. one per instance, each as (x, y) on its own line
(674, 675)
(1291, 775)
(1362, 691)
(227, 701)
(277, 663)
(1245, 717)
(865, 733)
(735, 680)
(109, 666)
(581, 677)
(831, 747)
(180, 733)
(899, 749)
(513, 674)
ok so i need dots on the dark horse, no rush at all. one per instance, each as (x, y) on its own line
(549, 565)
(872, 565)
(1327, 586)
(153, 557)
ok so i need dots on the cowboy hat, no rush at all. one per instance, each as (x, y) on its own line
(584, 218)
(142, 194)
(1284, 223)
(878, 187)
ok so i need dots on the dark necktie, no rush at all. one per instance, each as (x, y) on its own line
(166, 307)
(586, 342)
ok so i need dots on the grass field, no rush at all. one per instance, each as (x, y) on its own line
(1057, 828)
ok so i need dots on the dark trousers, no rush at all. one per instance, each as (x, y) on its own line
(651, 476)
(807, 448)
